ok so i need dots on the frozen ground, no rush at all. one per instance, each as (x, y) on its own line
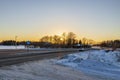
(101, 63)
(43, 70)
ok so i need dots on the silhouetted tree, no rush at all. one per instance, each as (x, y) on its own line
(56, 39)
(8, 42)
(80, 42)
(64, 38)
(111, 44)
(45, 39)
(71, 39)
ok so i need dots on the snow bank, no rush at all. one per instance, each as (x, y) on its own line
(97, 55)
(99, 62)
(13, 47)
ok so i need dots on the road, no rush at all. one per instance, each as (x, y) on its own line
(4, 52)
(12, 57)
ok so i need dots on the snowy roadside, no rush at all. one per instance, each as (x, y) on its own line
(97, 63)
(88, 65)
(43, 70)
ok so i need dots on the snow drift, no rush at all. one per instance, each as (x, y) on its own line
(110, 57)
(99, 62)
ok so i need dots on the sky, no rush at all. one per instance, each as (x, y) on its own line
(31, 19)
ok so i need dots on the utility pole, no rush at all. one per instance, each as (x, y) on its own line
(16, 42)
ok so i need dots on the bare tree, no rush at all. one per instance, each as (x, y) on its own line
(56, 39)
(45, 39)
(64, 38)
(71, 39)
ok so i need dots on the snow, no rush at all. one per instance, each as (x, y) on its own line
(12, 47)
(97, 62)
(42, 70)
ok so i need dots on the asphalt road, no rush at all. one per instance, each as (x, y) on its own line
(4, 52)
(11, 56)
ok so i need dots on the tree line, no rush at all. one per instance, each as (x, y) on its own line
(66, 40)
(110, 44)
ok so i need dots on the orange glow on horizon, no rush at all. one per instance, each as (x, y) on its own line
(37, 38)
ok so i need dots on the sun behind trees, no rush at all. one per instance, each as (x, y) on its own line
(65, 40)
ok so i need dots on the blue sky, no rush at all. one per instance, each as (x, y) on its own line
(32, 19)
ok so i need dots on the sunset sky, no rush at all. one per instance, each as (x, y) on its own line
(31, 19)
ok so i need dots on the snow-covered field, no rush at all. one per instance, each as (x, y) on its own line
(98, 63)
(12, 47)
(88, 65)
